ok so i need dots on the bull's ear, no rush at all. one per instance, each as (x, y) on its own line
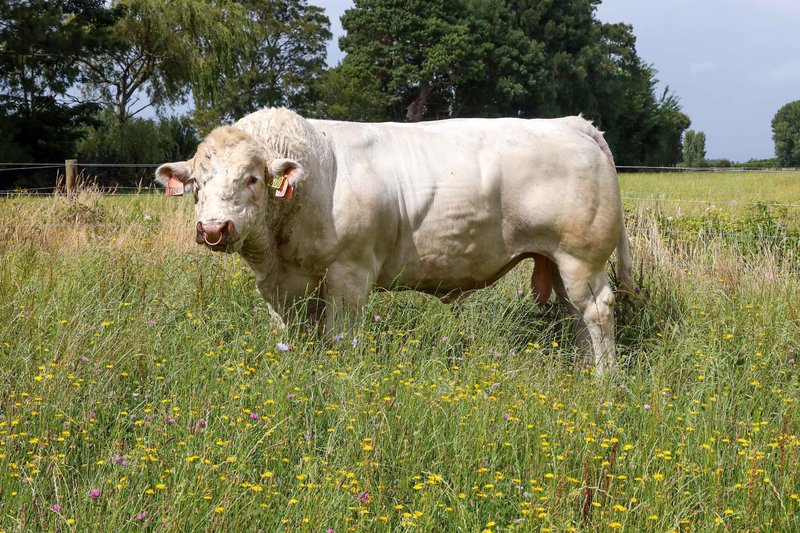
(288, 168)
(178, 170)
(176, 177)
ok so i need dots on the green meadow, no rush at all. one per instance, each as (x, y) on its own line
(142, 388)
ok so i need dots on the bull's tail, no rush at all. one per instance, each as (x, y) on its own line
(624, 261)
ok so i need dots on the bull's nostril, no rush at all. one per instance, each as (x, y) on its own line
(214, 233)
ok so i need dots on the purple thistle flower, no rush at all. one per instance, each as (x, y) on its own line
(141, 516)
(253, 416)
(377, 318)
(55, 507)
(363, 497)
(94, 493)
(201, 423)
(506, 416)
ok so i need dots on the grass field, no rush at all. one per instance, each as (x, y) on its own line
(141, 387)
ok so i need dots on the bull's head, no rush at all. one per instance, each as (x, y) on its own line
(232, 178)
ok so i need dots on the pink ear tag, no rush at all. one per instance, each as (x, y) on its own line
(174, 186)
(285, 190)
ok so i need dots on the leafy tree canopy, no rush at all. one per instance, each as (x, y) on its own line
(694, 149)
(163, 52)
(524, 58)
(41, 45)
(277, 63)
(786, 134)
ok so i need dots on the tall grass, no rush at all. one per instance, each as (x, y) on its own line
(137, 364)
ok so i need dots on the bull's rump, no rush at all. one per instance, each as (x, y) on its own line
(453, 204)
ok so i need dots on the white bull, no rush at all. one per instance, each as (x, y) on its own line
(443, 207)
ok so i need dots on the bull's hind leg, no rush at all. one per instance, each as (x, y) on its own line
(592, 300)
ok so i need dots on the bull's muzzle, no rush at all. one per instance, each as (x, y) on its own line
(216, 234)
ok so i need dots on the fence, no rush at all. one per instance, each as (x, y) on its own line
(70, 181)
(70, 167)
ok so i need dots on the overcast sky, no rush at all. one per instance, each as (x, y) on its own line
(732, 63)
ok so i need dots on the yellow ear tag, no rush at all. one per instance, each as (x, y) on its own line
(277, 182)
(174, 187)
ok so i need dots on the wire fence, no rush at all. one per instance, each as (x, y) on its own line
(630, 196)
(642, 168)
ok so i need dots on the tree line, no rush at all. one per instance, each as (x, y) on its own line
(77, 75)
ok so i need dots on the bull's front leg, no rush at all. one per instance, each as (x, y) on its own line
(346, 289)
(291, 287)
(269, 292)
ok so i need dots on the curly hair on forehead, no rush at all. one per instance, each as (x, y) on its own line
(227, 138)
(227, 142)
(282, 132)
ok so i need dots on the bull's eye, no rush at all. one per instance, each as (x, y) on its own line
(252, 180)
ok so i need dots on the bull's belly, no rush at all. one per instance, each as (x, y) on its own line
(444, 273)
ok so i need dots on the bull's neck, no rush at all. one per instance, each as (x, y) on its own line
(257, 251)
(260, 248)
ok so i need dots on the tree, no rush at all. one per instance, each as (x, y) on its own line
(347, 93)
(694, 149)
(417, 52)
(164, 51)
(786, 134)
(278, 64)
(513, 64)
(41, 44)
(520, 58)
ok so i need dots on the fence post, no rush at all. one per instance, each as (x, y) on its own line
(70, 165)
